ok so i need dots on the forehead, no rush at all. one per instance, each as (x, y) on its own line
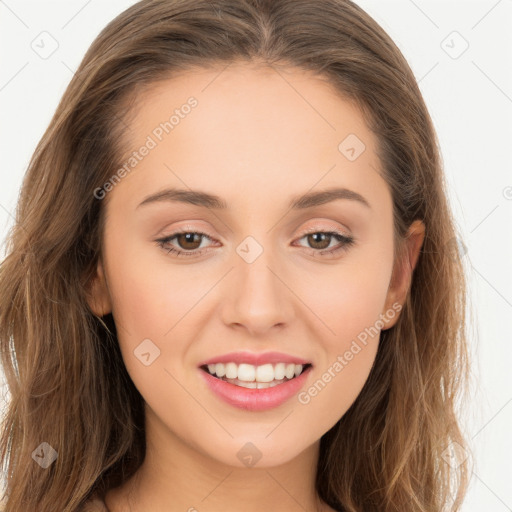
(251, 101)
(252, 129)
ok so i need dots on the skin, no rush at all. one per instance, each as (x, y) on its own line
(257, 138)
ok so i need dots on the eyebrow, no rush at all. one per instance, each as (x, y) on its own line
(206, 200)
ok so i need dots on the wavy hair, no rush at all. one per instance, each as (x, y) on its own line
(66, 378)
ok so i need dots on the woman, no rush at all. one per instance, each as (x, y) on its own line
(232, 282)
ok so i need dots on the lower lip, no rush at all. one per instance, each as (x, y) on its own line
(255, 399)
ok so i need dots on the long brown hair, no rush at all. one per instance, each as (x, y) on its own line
(67, 382)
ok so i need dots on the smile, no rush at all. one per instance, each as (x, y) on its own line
(255, 388)
(255, 377)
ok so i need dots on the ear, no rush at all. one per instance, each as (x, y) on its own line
(401, 277)
(98, 296)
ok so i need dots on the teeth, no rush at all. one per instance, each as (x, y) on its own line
(246, 372)
(290, 371)
(265, 374)
(231, 371)
(254, 385)
(279, 371)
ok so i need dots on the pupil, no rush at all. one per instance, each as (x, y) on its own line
(189, 239)
(323, 245)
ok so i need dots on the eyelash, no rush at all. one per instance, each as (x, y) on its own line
(346, 242)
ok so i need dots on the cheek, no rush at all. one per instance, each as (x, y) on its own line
(335, 387)
(348, 353)
(156, 300)
(348, 298)
(147, 308)
(149, 295)
(349, 301)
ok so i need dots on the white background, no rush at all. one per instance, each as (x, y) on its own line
(470, 100)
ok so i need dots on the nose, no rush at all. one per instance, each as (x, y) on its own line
(258, 297)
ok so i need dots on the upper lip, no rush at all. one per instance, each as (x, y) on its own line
(255, 358)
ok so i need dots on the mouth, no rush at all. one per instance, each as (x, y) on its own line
(255, 377)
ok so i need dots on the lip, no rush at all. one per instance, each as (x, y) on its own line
(255, 399)
(256, 359)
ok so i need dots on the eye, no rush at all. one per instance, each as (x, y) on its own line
(320, 242)
(190, 241)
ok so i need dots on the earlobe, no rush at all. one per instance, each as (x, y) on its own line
(98, 296)
(403, 271)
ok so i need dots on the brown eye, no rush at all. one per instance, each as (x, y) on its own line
(184, 243)
(186, 240)
(318, 240)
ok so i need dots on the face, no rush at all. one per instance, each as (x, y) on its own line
(189, 280)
